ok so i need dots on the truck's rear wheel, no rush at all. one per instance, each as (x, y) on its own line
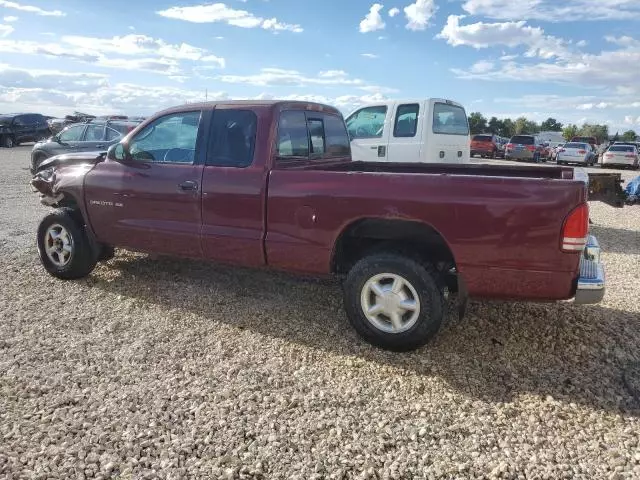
(393, 301)
(63, 246)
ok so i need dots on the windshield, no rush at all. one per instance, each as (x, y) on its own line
(622, 148)
(482, 138)
(523, 140)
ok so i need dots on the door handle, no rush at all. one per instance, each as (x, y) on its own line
(189, 185)
(374, 148)
(99, 146)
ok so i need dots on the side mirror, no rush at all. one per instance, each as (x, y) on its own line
(56, 138)
(118, 152)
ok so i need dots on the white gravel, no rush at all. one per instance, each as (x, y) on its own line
(176, 369)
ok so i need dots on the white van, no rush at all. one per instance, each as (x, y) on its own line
(432, 131)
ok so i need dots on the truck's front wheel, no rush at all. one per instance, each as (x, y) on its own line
(394, 301)
(63, 246)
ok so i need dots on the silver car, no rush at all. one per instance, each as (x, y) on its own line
(574, 152)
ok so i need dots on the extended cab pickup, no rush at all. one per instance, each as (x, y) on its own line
(272, 184)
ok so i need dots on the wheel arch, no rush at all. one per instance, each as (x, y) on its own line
(368, 234)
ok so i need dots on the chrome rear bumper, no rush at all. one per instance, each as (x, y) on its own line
(591, 283)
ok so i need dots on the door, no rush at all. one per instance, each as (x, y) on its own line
(405, 139)
(94, 139)
(233, 189)
(447, 135)
(67, 141)
(369, 133)
(21, 129)
(151, 201)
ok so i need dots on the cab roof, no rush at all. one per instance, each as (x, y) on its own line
(276, 104)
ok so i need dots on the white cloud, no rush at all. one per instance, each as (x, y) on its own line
(630, 120)
(219, 12)
(148, 54)
(373, 20)
(482, 66)
(369, 55)
(134, 44)
(419, 13)
(555, 11)
(511, 34)
(5, 30)
(604, 70)
(282, 77)
(393, 12)
(10, 19)
(31, 9)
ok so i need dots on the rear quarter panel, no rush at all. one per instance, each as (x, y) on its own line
(504, 232)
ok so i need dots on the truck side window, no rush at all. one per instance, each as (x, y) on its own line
(293, 138)
(169, 139)
(406, 120)
(336, 136)
(316, 133)
(367, 122)
(449, 119)
(232, 139)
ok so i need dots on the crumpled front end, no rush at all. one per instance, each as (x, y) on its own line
(60, 186)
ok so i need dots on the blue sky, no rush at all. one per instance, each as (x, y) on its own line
(575, 60)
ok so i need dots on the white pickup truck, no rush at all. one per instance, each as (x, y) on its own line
(434, 130)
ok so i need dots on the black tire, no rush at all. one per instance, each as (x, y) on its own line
(81, 261)
(107, 252)
(494, 154)
(424, 281)
(8, 141)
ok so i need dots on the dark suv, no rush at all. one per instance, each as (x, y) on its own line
(17, 128)
(94, 135)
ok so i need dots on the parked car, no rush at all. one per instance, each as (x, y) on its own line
(272, 184)
(621, 156)
(18, 128)
(590, 140)
(555, 147)
(524, 147)
(92, 136)
(485, 145)
(432, 130)
(575, 152)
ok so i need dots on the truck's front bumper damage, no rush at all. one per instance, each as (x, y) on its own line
(591, 283)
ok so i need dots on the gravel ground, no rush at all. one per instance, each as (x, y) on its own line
(175, 369)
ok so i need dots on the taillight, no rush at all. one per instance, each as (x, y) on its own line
(608, 155)
(630, 156)
(575, 229)
(582, 152)
(561, 150)
(531, 148)
(509, 146)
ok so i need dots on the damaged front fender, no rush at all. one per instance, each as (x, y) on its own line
(60, 186)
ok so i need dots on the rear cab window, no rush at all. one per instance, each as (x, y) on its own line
(306, 135)
(620, 148)
(449, 119)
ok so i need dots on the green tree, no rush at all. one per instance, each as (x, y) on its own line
(551, 125)
(508, 128)
(570, 131)
(601, 132)
(629, 136)
(495, 125)
(523, 125)
(477, 123)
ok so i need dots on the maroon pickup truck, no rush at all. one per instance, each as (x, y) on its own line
(271, 184)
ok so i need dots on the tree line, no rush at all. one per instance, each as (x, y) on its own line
(507, 127)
